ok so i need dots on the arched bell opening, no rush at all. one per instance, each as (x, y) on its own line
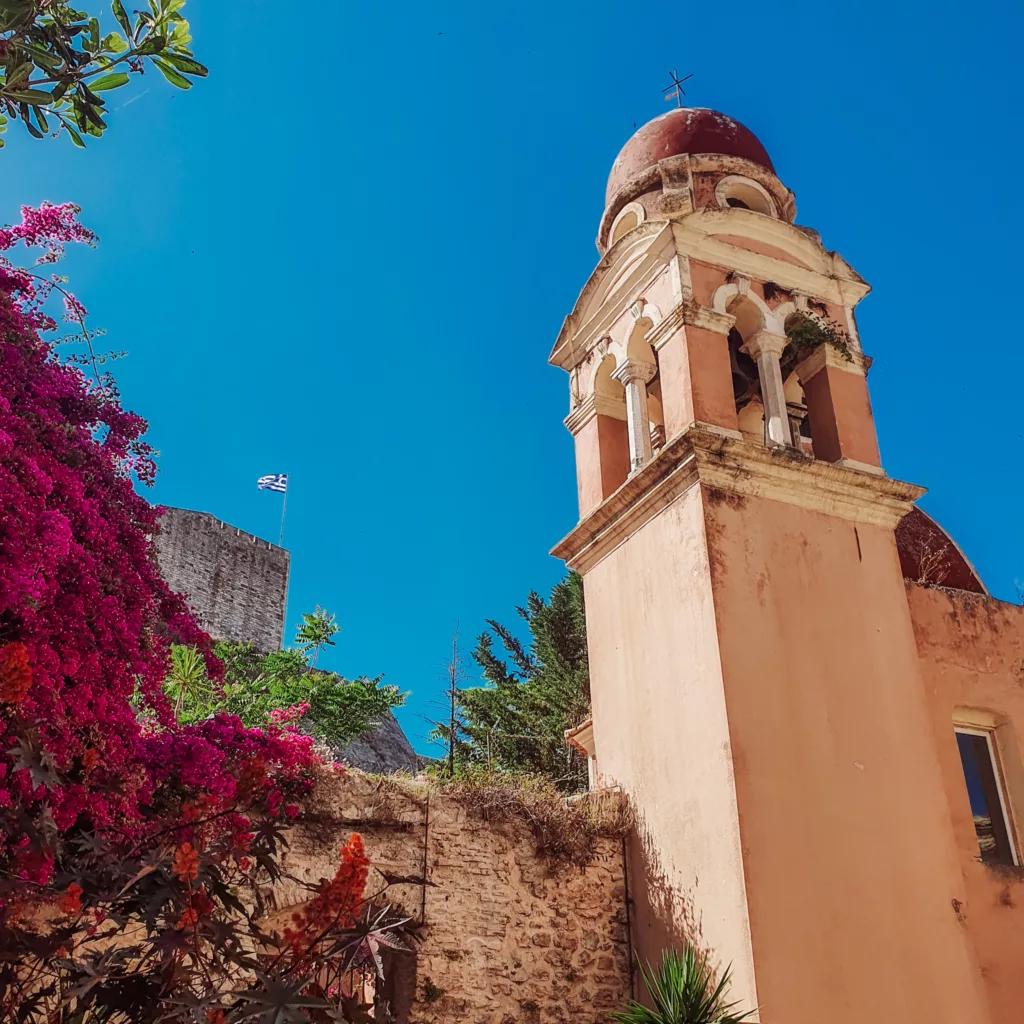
(656, 414)
(796, 400)
(638, 372)
(746, 390)
(806, 408)
(612, 435)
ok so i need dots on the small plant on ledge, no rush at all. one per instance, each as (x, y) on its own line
(808, 333)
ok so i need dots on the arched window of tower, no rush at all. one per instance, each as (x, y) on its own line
(630, 216)
(746, 389)
(635, 373)
(764, 347)
(738, 192)
(612, 435)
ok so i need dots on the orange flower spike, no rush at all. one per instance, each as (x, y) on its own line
(187, 920)
(186, 862)
(15, 673)
(71, 901)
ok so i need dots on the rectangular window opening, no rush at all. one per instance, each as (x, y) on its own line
(985, 790)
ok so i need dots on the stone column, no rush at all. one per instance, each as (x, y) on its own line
(766, 348)
(633, 375)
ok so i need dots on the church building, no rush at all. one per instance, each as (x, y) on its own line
(811, 701)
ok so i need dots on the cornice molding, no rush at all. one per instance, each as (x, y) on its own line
(710, 319)
(685, 315)
(827, 355)
(740, 467)
(666, 327)
(638, 258)
(594, 405)
(694, 238)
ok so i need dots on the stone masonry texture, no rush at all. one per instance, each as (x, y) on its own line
(236, 583)
(508, 937)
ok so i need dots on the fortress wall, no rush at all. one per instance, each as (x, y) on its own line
(237, 583)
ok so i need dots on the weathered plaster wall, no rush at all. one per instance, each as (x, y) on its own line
(509, 938)
(850, 864)
(971, 652)
(661, 732)
(237, 583)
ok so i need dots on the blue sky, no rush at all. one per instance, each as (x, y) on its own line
(347, 253)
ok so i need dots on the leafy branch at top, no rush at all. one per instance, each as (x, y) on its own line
(56, 65)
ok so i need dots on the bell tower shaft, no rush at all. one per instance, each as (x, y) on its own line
(755, 682)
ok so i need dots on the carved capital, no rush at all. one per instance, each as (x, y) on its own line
(634, 369)
(764, 342)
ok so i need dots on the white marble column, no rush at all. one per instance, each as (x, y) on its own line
(766, 348)
(634, 375)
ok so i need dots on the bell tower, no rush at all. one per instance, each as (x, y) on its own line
(756, 689)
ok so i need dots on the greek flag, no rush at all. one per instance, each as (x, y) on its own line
(273, 482)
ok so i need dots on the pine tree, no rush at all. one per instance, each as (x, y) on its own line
(517, 721)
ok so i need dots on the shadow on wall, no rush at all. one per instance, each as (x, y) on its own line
(668, 915)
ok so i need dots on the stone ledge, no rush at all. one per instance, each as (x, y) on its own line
(698, 455)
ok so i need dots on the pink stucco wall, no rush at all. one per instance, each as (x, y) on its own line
(971, 656)
(759, 695)
(661, 732)
(849, 861)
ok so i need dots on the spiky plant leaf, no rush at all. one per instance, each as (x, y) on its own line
(683, 990)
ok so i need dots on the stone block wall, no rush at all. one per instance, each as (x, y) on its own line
(508, 937)
(237, 583)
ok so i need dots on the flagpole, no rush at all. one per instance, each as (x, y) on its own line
(284, 505)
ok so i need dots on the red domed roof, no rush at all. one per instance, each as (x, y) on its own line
(684, 130)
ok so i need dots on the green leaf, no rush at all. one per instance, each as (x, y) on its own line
(154, 44)
(187, 65)
(33, 96)
(21, 73)
(42, 56)
(171, 75)
(122, 17)
(75, 137)
(111, 81)
(93, 43)
(113, 43)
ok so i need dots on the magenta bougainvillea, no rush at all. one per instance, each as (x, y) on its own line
(85, 618)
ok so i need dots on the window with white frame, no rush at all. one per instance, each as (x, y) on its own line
(985, 789)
